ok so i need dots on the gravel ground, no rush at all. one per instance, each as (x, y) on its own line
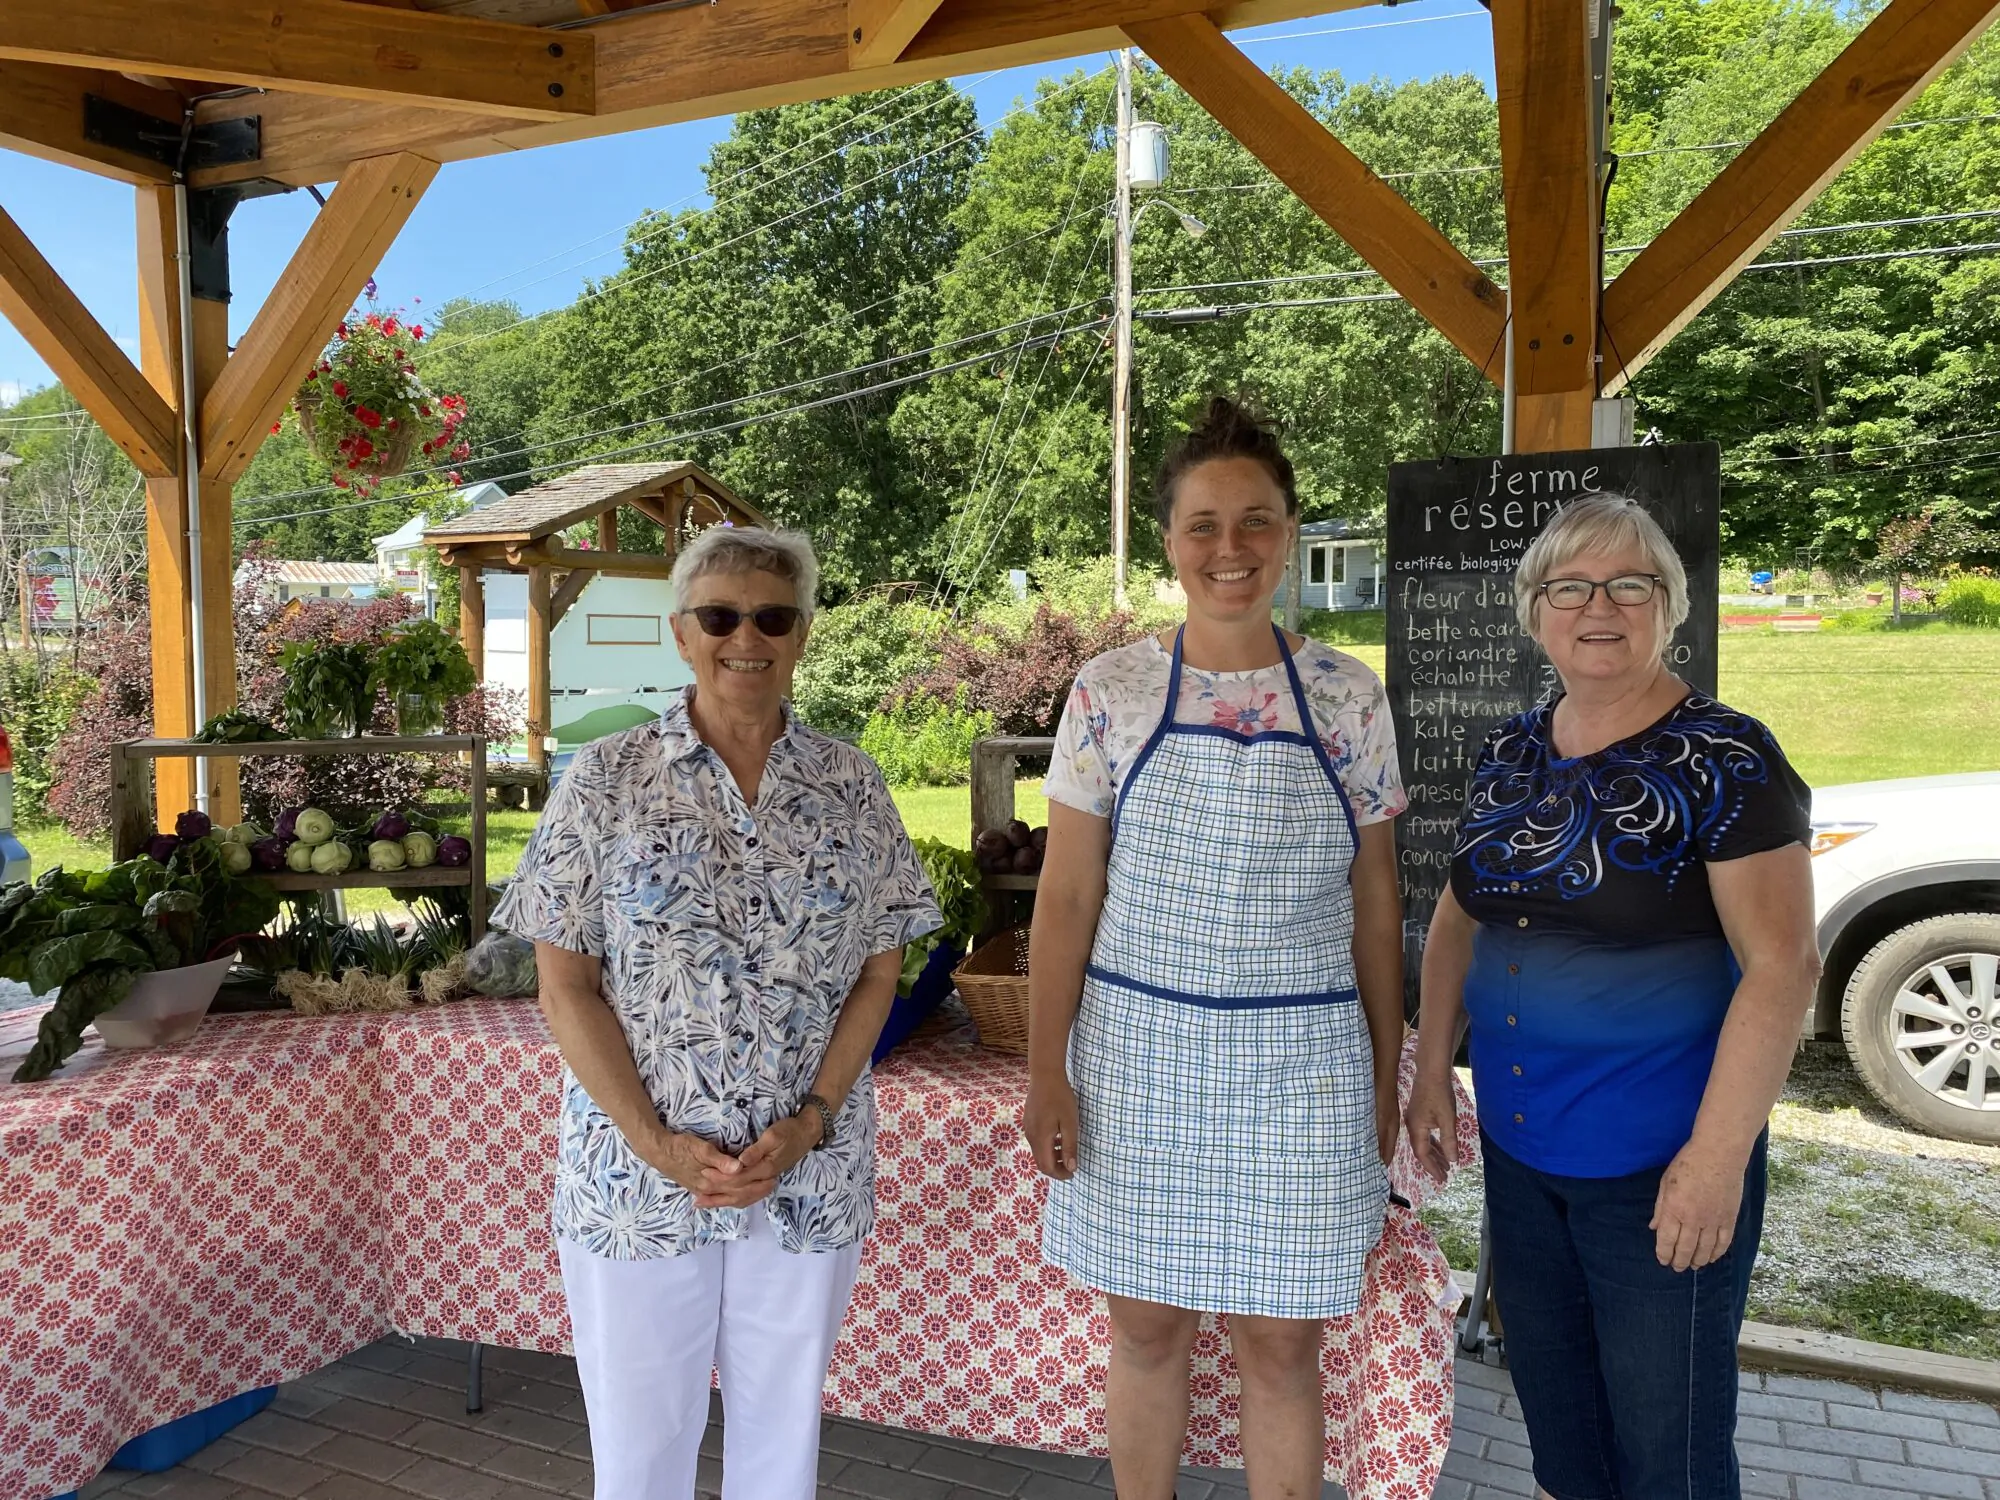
(1872, 1229)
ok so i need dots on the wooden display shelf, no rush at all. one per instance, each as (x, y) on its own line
(1010, 882)
(995, 767)
(429, 875)
(133, 820)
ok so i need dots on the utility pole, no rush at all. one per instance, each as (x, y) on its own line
(1121, 334)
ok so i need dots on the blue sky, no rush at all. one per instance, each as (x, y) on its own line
(534, 225)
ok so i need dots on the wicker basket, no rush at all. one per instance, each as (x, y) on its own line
(993, 983)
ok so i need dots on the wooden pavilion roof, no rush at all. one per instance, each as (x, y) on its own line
(548, 509)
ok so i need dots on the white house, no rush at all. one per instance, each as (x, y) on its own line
(399, 555)
(319, 580)
(1340, 570)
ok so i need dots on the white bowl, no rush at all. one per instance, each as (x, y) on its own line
(166, 1006)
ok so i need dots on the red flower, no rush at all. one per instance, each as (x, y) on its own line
(340, 389)
(367, 416)
(389, 325)
(276, 425)
(452, 477)
(416, 330)
(363, 448)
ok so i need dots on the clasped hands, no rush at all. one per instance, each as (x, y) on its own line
(720, 1180)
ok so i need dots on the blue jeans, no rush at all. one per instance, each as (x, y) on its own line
(1625, 1369)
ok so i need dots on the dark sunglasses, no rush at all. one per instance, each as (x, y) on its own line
(720, 619)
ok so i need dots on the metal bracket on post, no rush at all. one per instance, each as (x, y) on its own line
(218, 143)
(209, 210)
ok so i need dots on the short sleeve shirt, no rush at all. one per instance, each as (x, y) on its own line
(1600, 974)
(1120, 696)
(730, 937)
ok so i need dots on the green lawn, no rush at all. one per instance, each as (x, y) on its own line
(1846, 707)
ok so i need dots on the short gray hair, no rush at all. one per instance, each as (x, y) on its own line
(1601, 523)
(751, 549)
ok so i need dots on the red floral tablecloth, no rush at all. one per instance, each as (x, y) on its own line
(176, 1227)
(181, 1225)
(957, 1327)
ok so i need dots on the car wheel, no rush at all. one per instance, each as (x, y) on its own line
(1920, 1023)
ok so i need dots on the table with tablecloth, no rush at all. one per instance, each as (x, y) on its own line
(245, 1207)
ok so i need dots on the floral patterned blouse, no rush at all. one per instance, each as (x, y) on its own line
(730, 937)
(1119, 697)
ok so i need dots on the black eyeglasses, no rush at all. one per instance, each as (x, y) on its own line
(1575, 593)
(721, 619)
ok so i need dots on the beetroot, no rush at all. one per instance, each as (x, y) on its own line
(192, 825)
(454, 851)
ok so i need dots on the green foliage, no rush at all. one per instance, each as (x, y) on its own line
(1344, 627)
(326, 688)
(88, 935)
(922, 741)
(1970, 600)
(421, 657)
(856, 655)
(39, 696)
(955, 879)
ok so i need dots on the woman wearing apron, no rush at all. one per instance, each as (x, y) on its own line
(1216, 961)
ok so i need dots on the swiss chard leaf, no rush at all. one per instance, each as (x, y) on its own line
(59, 960)
(96, 919)
(85, 997)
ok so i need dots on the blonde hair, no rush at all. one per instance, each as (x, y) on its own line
(1601, 523)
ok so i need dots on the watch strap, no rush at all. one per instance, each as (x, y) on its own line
(813, 1101)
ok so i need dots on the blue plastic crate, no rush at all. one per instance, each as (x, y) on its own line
(925, 996)
(177, 1441)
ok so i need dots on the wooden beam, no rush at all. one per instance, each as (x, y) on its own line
(1431, 272)
(668, 66)
(618, 564)
(322, 47)
(1551, 422)
(472, 618)
(1541, 54)
(338, 255)
(880, 30)
(95, 370)
(607, 531)
(540, 625)
(1780, 173)
(41, 114)
(566, 594)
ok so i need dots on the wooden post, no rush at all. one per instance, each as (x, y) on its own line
(538, 666)
(607, 531)
(472, 617)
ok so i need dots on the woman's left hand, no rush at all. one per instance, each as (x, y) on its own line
(766, 1159)
(1694, 1217)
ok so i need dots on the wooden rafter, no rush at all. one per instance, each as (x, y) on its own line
(1402, 246)
(1881, 71)
(880, 30)
(1541, 54)
(339, 253)
(667, 66)
(41, 114)
(566, 594)
(72, 343)
(331, 47)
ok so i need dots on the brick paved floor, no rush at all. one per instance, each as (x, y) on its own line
(389, 1423)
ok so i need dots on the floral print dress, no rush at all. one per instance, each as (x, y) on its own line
(730, 936)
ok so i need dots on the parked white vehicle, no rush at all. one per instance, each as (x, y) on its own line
(1906, 884)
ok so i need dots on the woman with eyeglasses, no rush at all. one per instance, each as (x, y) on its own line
(1629, 927)
(719, 902)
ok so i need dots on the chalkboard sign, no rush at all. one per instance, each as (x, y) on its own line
(1457, 661)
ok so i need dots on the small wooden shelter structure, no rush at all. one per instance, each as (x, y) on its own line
(200, 104)
(525, 533)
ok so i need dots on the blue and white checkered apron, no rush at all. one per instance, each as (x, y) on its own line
(1221, 1060)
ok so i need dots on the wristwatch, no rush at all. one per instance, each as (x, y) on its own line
(813, 1101)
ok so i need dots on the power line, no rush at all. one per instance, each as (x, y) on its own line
(1799, 458)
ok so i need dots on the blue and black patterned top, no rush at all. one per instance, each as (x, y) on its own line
(1600, 973)
(731, 935)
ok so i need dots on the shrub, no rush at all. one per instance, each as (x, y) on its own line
(1084, 590)
(121, 708)
(921, 741)
(1021, 679)
(1971, 600)
(39, 697)
(858, 653)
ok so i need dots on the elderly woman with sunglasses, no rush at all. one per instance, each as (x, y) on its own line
(718, 902)
(1629, 928)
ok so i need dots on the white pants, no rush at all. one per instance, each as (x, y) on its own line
(649, 1333)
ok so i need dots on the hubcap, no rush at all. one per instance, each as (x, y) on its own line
(1944, 1029)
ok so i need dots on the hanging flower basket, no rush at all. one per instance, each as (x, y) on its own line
(365, 413)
